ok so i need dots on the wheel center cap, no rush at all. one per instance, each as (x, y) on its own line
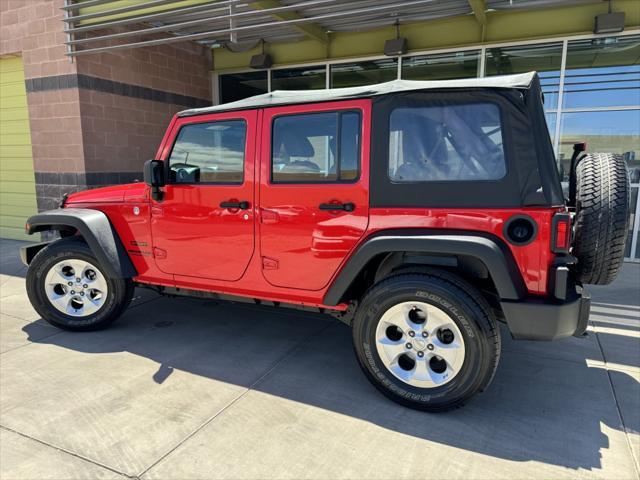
(420, 343)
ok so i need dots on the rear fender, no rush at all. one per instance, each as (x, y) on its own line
(95, 229)
(497, 260)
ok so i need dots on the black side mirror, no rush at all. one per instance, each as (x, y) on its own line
(154, 177)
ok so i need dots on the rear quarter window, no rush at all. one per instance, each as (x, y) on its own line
(456, 142)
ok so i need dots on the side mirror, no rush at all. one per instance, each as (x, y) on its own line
(154, 173)
(154, 177)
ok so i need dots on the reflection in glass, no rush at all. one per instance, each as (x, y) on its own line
(364, 73)
(608, 131)
(309, 148)
(441, 66)
(633, 217)
(551, 125)
(602, 72)
(209, 153)
(236, 86)
(546, 59)
(304, 78)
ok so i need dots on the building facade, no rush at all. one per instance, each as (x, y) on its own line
(92, 118)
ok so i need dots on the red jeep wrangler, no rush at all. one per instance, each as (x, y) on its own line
(420, 213)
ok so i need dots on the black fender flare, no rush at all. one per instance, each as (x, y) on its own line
(97, 231)
(491, 252)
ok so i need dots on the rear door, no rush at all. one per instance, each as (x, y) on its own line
(204, 225)
(314, 179)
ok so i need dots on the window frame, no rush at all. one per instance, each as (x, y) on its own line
(208, 121)
(505, 150)
(340, 112)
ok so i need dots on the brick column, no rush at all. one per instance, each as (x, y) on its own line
(94, 121)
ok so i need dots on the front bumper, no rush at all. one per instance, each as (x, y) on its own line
(27, 253)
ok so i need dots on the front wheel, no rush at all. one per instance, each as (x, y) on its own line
(428, 341)
(69, 289)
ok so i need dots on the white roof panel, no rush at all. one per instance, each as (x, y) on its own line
(290, 97)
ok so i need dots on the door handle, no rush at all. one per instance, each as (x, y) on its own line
(347, 207)
(243, 205)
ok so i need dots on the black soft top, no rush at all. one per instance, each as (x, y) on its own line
(291, 97)
(532, 177)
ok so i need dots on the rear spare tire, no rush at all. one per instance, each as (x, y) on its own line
(602, 217)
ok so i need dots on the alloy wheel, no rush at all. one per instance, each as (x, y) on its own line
(420, 344)
(76, 287)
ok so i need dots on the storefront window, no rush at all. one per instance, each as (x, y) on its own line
(608, 131)
(633, 217)
(237, 86)
(364, 73)
(304, 78)
(441, 66)
(551, 125)
(546, 59)
(602, 72)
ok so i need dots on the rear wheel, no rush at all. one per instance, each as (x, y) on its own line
(69, 289)
(428, 341)
(602, 217)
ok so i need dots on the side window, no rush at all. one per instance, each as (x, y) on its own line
(446, 143)
(209, 153)
(316, 147)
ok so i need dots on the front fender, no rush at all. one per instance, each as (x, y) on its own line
(97, 231)
(498, 261)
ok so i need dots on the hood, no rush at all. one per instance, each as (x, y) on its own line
(115, 194)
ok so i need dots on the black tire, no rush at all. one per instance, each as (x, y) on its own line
(602, 217)
(119, 294)
(468, 309)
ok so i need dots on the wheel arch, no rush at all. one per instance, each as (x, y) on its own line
(381, 253)
(94, 227)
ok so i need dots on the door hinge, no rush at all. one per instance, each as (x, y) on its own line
(269, 263)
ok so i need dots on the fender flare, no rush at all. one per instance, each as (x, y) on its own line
(496, 257)
(97, 231)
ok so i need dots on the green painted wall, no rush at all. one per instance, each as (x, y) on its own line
(439, 34)
(17, 181)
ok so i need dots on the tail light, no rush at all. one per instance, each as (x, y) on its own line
(561, 233)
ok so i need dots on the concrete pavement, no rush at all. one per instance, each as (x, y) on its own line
(189, 389)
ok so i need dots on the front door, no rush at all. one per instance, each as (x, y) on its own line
(204, 225)
(314, 202)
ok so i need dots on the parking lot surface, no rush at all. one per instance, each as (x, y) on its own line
(190, 389)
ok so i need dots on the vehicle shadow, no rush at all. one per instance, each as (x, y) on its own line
(540, 407)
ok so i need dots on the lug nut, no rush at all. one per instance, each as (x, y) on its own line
(70, 284)
(409, 346)
(78, 280)
(412, 333)
(85, 286)
(430, 346)
(73, 292)
(82, 294)
(425, 334)
(421, 354)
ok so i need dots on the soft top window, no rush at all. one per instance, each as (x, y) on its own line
(455, 142)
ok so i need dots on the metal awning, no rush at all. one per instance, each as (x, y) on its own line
(104, 25)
